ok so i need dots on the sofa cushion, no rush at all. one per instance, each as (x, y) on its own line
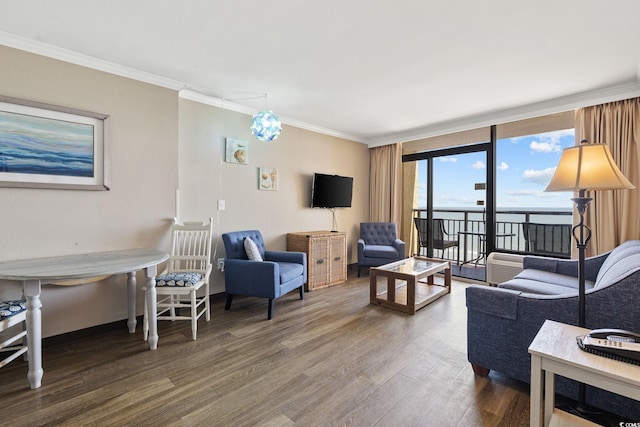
(540, 263)
(536, 287)
(619, 261)
(379, 251)
(556, 279)
(620, 270)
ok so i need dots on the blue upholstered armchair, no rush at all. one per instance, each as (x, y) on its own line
(252, 271)
(379, 244)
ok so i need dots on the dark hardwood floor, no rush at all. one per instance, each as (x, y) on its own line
(329, 360)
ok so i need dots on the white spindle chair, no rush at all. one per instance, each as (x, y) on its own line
(188, 270)
(15, 342)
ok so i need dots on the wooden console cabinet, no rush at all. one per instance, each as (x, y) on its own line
(326, 256)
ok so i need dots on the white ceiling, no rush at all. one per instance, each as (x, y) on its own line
(373, 71)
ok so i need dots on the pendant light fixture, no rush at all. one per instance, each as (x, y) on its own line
(266, 125)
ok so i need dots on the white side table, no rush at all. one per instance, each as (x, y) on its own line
(554, 351)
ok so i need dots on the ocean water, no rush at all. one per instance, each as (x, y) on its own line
(38, 145)
(18, 159)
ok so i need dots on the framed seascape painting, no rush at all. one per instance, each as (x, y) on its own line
(46, 146)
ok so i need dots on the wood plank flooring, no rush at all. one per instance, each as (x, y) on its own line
(329, 360)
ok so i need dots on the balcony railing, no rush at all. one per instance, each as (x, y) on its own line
(515, 232)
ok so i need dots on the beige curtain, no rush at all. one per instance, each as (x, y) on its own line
(385, 185)
(613, 216)
(409, 203)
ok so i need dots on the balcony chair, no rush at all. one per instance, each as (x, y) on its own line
(441, 238)
(547, 239)
(187, 271)
(379, 244)
(13, 314)
(250, 270)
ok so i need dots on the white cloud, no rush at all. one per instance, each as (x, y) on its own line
(554, 135)
(545, 146)
(448, 159)
(550, 142)
(478, 165)
(557, 134)
(503, 166)
(541, 177)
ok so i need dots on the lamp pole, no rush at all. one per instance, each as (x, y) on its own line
(582, 234)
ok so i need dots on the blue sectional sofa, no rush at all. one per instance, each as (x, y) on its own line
(502, 321)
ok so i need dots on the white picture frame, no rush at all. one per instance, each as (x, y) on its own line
(236, 151)
(268, 179)
(48, 146)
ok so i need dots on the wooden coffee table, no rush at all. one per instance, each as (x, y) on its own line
(410, 284)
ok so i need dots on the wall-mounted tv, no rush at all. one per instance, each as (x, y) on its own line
(331, 191)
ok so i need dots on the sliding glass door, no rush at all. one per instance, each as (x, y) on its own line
(485, 190)
(452, 203)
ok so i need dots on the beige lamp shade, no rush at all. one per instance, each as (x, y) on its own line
(587, 167)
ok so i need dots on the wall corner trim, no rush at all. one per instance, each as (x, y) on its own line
(50, 51)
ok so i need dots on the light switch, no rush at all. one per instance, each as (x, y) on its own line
(221, 205)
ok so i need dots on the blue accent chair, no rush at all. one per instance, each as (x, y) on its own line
(379, 244)
(278, 274)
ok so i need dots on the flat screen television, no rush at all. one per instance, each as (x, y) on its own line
(331, 191)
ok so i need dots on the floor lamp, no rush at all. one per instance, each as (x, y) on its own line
(581, 168)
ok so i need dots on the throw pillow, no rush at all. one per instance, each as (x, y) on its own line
(251, 249)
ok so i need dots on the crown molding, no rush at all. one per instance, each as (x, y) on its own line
(551, 106)
(231, 106)
(50, 51)
(201, 98)
(556, 105)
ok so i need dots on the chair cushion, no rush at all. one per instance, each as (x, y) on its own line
(378, 233)
(11, 308)
(178, 279)
(252, 250)
(379, 251)
(289, 271)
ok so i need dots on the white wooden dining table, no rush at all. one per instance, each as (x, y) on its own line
(32, 273)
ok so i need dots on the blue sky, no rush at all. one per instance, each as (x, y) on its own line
(525, 166)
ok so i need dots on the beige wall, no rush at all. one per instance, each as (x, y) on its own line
(136, 212)
(297, 154)
(159, 143)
